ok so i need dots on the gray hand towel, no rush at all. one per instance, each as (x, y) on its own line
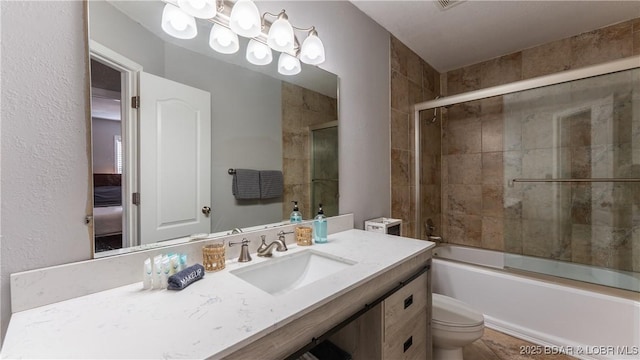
(271, 184)
(246, 184)
(185, 277)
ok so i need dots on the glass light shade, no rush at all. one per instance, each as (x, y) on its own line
(312, 51)
(288, 65)
(258, 53)
(177, 23)
(280, 36)
(223, 40)
(245, 19)
(203, 9)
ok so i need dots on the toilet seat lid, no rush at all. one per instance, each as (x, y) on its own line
(449, 311)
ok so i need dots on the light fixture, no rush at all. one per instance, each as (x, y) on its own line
(281, 36)
(312, 51)
(258, 53)
(203, 9)
(288, 65)
(245, 19)
(177, 23)
(242, 18)
(223, 40)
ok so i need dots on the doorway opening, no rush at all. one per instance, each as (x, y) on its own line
(107, 156)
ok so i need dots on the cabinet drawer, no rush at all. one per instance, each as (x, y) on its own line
(410, 341)
(405, 304)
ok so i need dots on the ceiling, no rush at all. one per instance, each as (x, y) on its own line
(473, 31)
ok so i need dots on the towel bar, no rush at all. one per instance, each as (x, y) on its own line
(575, 180)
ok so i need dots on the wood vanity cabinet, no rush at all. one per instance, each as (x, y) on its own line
(404, 326)
(397, 328)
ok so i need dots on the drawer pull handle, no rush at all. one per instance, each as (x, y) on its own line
(408, 343)
(408, 301)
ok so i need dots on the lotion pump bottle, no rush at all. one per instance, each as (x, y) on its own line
(320, 227)
(296, 215)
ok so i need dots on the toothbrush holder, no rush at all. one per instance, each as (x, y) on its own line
(303, 236)
(213, 257)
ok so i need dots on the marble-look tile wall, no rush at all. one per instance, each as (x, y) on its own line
(412, 81)
(473, 174)
(301, 108)
(482, 147)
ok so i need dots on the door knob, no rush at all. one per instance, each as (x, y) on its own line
(206, 210)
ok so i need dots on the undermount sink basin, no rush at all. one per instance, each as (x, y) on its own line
(285, 273)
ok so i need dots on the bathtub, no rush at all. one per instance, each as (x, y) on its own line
(560, 318)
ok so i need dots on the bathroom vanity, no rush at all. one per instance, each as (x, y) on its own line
(397, 328)
(373, 301)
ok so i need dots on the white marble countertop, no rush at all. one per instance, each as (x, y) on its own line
(211, 318)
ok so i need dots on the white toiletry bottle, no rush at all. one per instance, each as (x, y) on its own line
(157, 272)
(296, 215)
(166, 267)
(147, 275)
(320, 227)
(174, 260)
(183, 261)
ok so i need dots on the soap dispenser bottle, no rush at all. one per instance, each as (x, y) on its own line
(320, 227)
(296, 215)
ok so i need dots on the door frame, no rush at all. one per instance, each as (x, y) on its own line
(130, 78)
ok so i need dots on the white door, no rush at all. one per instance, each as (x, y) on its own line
(175, 159)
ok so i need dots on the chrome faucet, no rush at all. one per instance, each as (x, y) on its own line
(430, 227)
(267, 250)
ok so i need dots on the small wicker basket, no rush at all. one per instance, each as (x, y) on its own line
(213, 257)
(303, 236)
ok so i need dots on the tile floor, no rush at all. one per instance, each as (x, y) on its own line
(495, 345)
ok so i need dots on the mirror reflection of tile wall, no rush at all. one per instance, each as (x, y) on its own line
(301, 108)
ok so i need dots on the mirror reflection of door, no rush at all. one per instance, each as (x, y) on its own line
(324, 177)
(163, 147)
(107, 156)
(175, 159)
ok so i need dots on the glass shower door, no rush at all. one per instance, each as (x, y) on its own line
(572, 166)
(324, 169)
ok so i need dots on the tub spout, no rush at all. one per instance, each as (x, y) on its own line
(435, 239)
(236, 231)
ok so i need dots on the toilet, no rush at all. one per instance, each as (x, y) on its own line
(454, 325)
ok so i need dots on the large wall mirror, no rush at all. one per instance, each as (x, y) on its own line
(161, 167)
